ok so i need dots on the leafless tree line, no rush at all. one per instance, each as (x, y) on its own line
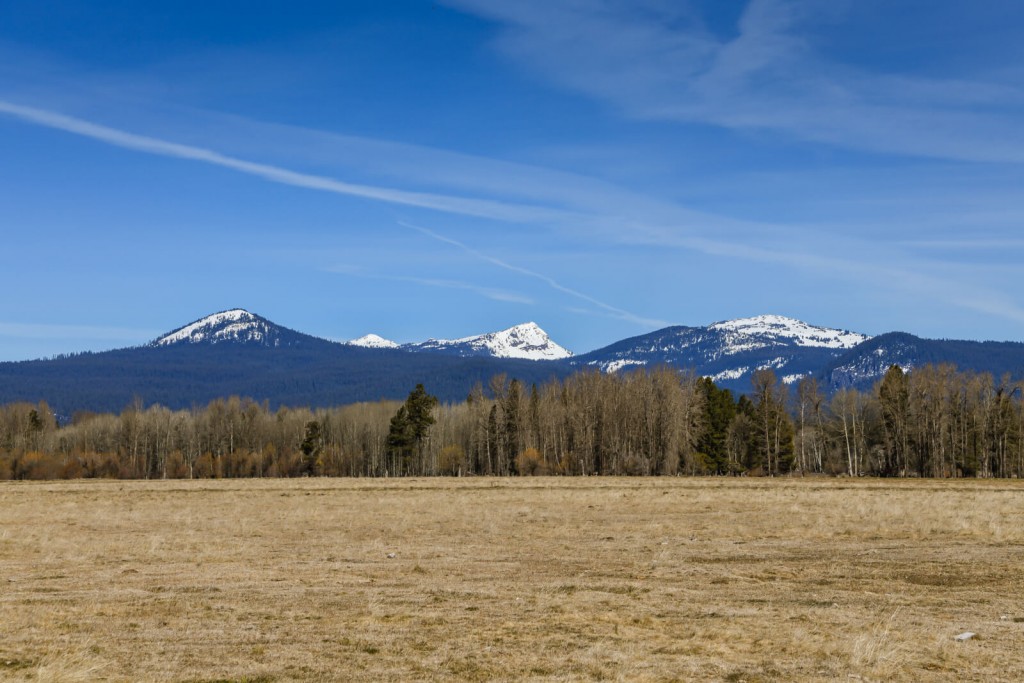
(934, 421)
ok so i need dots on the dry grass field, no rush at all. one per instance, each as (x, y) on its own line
(527, 579)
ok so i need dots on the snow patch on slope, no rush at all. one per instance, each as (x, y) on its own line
(613, 366)
(733, 346)
(774, 364)
(737, 373)
(734, 373)
(234, 325)
(781, 329)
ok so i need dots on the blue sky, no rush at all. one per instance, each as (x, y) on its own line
(419, 169)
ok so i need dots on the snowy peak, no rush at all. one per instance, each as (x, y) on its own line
(523, 341)
(730, 352)
(235, 326)
(762, 330)
(527, 341)
(373, 341)
(238, 326)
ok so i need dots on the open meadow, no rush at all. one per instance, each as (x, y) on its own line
(642, 579)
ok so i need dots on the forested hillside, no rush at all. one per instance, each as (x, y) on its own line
(236, 352)
(316, 375)
(866, 363)
(934, 421)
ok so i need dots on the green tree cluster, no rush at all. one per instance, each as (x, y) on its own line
(409, 429)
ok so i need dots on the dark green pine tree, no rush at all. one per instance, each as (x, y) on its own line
(534, 417)
(719, 411)
(409, 429)
(311, 446)
(400, 441)
(746, 429)
(35, 424)
(511, 411)
(494, 459)
(420, 408)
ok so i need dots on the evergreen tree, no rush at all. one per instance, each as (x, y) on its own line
(407, 434)
(511, 410)
(400, 440)
(719, 412)
(493, 450)
(534, 417)
(419, 407)
(312, 445)
(35, 424)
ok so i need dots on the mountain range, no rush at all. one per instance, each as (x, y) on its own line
(236, 352)
(526, 341)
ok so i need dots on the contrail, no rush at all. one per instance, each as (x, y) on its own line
(551, 282)
(459, 205)
(502, 211)
(495, 294)
(480, 208)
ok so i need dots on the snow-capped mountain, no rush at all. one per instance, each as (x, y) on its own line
(373, 341)
(768, 329)
(728, 351)
(235, 326)
(238, 326)
(236, 352)
(731, 351)
(527, 341)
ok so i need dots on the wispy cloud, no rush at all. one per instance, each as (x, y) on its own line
(459, 205)
(608, 309)
(655, 61)
(904, 275)
(978, 244)
(590, 209)
(141, 143)
(487, 292)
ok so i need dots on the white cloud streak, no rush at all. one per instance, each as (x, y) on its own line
(502, 295)
(459, 205)
(768, 77)
(608, 309)
(150, 145)
(980, 244)
(634, 219)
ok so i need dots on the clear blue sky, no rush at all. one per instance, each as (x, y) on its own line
(418, 169)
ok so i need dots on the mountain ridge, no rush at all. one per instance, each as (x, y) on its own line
(238, 352)
(731, 351)
(234, 325)
(525, 340)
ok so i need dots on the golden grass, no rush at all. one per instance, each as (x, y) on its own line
(528, 579)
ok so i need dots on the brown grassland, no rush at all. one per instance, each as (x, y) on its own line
(559, 579)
